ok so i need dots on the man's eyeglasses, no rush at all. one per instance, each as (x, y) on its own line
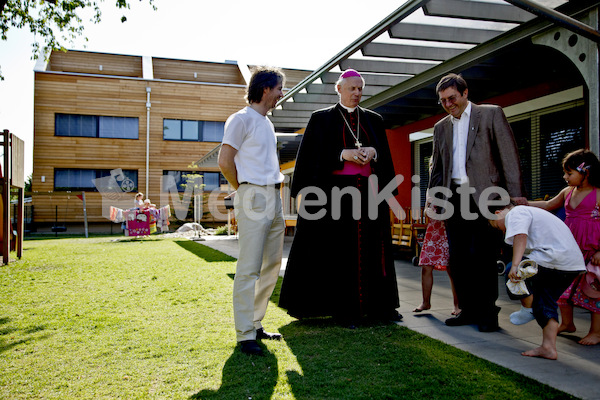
(450, 100)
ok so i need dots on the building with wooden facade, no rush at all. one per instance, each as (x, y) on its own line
(130, 121)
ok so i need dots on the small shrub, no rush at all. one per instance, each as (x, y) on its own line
(221, 230)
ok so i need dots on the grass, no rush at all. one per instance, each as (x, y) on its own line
(101, 318)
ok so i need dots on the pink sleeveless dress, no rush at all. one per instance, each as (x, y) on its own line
(584, 222)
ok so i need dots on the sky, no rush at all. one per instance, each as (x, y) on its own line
(283, 33)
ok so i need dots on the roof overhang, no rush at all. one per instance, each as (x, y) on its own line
(403, 57)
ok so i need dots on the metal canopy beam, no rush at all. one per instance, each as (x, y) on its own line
(439, 33)
(292, 120)
(390, 50)
(320, 88)
(289, 125)
(329, 77)
(291, 105)
(558, 18)
(291, 113)
(370, 79)
(314, 88)
(317, 98)
(476, 10)
(390, 67)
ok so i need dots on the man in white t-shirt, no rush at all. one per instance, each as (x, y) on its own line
(545, 239)
(248, 160)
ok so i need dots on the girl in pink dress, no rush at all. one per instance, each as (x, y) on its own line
(434, 255)
(581, 199)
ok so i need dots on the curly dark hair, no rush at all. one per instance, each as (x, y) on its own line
(591, 166)
(263, 78)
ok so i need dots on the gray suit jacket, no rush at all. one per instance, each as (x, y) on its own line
(492, 158)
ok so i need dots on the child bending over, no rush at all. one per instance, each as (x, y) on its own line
(550, 243)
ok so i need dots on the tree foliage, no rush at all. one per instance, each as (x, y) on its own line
(53, 22)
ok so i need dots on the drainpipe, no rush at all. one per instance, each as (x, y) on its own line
(148, 105)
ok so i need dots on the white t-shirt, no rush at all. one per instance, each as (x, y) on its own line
(253, 136)
(549, 241)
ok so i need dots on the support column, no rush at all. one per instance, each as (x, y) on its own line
(583, 53)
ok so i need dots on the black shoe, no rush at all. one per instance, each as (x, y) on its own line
(261, 334)
(460, 320)
(395, 316)
(489, 324)
(488, 327)
(251, 347)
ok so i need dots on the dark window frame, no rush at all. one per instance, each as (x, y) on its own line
(131, 174)
(181, 189)
(203, 128)
(94, 126)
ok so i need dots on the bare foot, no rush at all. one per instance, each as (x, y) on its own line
(541, 352)
(456, 311)
(422, 307)
(569, 328)
(590, 340)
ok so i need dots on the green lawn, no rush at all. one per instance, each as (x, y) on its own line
(152, 319)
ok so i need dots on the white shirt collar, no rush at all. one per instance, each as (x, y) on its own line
(466, 113)
(349, 109)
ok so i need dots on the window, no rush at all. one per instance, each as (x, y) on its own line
(190, 130)
(83, 179)
(543, 138)
(211, 180)
(96, 126)
(118, 127)
(194, 131)
(560, 133)
(75, 125)
(213, 131)
(171, 129)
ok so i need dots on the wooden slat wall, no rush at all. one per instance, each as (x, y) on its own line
(93, 95)
(89, 63)
(294, 76)
(183, 70)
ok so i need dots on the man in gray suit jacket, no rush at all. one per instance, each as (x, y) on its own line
(474, 153)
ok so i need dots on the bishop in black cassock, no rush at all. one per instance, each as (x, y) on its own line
(341, 263)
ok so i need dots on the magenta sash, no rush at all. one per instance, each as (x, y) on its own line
(351, 168)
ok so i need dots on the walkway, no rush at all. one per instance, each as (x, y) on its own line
(577, 370)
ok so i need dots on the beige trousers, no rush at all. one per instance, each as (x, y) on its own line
(261, 227)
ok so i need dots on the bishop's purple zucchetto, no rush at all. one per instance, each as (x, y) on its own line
(348, 73)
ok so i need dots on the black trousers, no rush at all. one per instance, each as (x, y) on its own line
(474, 248)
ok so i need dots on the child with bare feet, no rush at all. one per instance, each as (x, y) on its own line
(550, 243)
(581, 199)
(434, 255)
